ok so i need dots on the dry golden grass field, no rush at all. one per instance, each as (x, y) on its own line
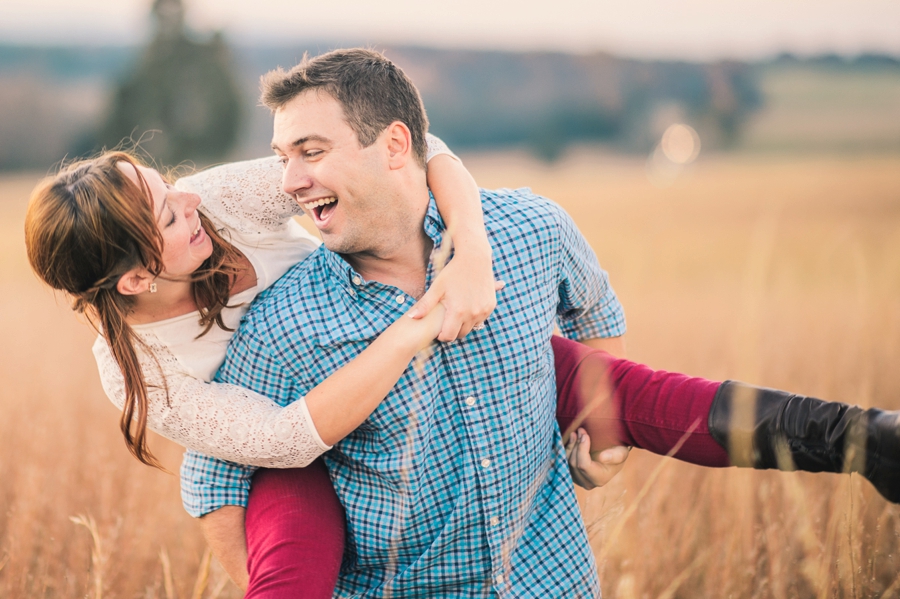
(781, 271)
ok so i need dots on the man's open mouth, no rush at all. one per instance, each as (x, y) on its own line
(321, 209)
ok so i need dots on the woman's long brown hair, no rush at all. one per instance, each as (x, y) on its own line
(85, 228)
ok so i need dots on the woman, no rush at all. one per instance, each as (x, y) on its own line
(166, 290)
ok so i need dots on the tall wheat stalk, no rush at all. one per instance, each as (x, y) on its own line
(98, 557)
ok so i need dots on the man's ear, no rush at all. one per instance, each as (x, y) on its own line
(399, 141)
(135, 281)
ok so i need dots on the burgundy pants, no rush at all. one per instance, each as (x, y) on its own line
(623, 403)
(295, 523)
(295, 533)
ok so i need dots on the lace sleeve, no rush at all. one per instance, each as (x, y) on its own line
(435, 145)
(224, 421)
(244, 197)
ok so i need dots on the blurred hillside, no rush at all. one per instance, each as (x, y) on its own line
(54, 101)
(828, 104)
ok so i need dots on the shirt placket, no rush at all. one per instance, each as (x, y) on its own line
(480, 416)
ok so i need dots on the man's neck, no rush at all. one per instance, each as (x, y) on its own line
(404, 266)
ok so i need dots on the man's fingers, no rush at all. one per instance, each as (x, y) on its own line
(583, 450)
(499, 285)
(570, 449)
(613, 456)
(572, 457)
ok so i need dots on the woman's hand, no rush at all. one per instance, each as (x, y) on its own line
(591, 471)
(467, 289)
(417, 334)
(466, 284)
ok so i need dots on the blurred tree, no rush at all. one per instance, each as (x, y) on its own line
(182, 88)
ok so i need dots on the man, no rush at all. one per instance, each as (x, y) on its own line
(458, 484)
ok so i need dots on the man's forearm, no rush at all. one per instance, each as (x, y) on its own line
(226, 537)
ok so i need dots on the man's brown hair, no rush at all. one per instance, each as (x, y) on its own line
(373, 91)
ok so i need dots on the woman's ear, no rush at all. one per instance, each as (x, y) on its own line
(135, 281)
(399, 140)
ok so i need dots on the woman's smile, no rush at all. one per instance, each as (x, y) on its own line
(185, 244)
(199, 235)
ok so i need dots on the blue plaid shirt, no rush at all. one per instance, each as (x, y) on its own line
(457, 485)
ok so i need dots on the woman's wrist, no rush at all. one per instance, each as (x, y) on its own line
(409, 336)
(473, 245)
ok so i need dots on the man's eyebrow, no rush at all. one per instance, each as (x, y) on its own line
(302, 140)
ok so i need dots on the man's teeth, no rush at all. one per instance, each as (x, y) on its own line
(321, 202)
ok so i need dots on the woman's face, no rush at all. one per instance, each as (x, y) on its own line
(185, 244)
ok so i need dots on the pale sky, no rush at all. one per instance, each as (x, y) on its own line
(691, 29)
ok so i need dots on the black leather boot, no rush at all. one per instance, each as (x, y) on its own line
(766, 428)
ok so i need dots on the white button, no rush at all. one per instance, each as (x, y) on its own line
(400, 299)
(357, 281)
(495, 521)
(499, 578)
(485, 463)
(470, 401)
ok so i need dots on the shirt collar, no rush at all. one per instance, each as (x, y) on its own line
(344, 274)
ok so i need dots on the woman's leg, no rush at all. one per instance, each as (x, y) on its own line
(623, 403)
(295, 534)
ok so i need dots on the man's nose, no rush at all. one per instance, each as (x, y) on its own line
(296, 178)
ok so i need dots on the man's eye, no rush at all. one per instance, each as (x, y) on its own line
(313, 153)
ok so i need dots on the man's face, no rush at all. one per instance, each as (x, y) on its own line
(344, 187)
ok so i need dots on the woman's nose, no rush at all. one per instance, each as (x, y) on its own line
(191, 202)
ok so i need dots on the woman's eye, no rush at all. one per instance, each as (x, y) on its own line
(172, 221)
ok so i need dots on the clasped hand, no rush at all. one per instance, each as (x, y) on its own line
(468, 291)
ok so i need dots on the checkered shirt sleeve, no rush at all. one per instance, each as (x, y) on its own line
(208, 483)
(588, 306)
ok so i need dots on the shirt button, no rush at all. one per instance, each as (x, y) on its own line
(499, 579)
(470, 401)
(485, 463)
(495, 521)
(400, 299)
(357, 281)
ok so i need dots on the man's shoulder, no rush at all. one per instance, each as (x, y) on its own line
(520, 204)
(289, 295)
(521, 213)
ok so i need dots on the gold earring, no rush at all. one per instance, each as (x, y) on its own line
(152, 287)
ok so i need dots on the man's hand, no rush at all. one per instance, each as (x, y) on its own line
(225, 535)
(591, 471)
(467, 289)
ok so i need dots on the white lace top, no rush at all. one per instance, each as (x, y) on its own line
(226, 421)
